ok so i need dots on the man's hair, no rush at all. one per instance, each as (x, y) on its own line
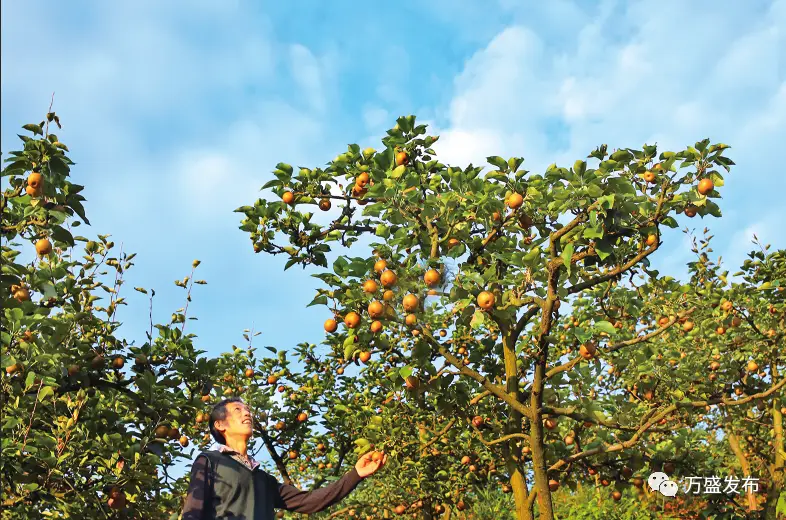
(219, 413)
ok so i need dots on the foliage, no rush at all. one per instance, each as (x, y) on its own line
(78, 421)
(524, 344)
(529, 324)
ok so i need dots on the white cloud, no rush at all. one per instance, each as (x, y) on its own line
(767, 229)
(306, 71)
(374, 118)
(671, 74)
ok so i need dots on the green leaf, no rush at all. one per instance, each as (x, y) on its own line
(349, 347)
(607, 201)
(79, 209)
(593, 232)
(45, 392)
(14, 315)
(669, 222)
(603, 248)
(284, 167)
(605, 326)
(61, 234)
(567, 253)
(340, 266)
(58, 166)
(48, 290)
(30, 379)
(270, 184)
(404, 124)
(497, 175)
(478, 318)
(319, 300)
(594, 191)
(382, 231)
(405, 371)
(499, 162)
(621, 156)
(36, 129)
(532, 256)
(358, 267)
(514, 163)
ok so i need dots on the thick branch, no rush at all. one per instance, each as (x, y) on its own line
(439, 435)
(580, 417)
(615, 447)
(614, 272)
(629, 342)
(561, 232)
(531, 498)
(734, 402)
(433, 234)
(524, 320)
(656, 418)
(502, 439)
(481, 379)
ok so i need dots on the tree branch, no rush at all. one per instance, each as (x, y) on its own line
(481, 379)
(273, 454)
(439, 435)
(633, 341)
(656, 418)
(519, 328)
(614, 272)
(615, 447)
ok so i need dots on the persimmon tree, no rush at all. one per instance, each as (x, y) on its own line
(494, 259)
(723, 371)
(91, 423)
(668, 378)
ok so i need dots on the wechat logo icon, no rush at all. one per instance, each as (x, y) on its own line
(660, 482)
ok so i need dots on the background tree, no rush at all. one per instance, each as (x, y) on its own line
(90, 424)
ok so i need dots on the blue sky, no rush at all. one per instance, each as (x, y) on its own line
(176, 112)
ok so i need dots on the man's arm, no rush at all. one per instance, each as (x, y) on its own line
(198, 491)
(291, 498)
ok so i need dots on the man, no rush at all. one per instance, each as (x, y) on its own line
(229, 484)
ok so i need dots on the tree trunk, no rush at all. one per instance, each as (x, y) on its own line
(777, 477)
(518, 482)
(746, 468)
(519, 486)
(536, 436)
(545, 507)
(774, 492)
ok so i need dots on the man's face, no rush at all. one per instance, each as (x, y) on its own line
(238, 423)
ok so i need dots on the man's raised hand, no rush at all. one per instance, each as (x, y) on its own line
(369, 463)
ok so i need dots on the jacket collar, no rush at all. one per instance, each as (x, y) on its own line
(235, 455)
